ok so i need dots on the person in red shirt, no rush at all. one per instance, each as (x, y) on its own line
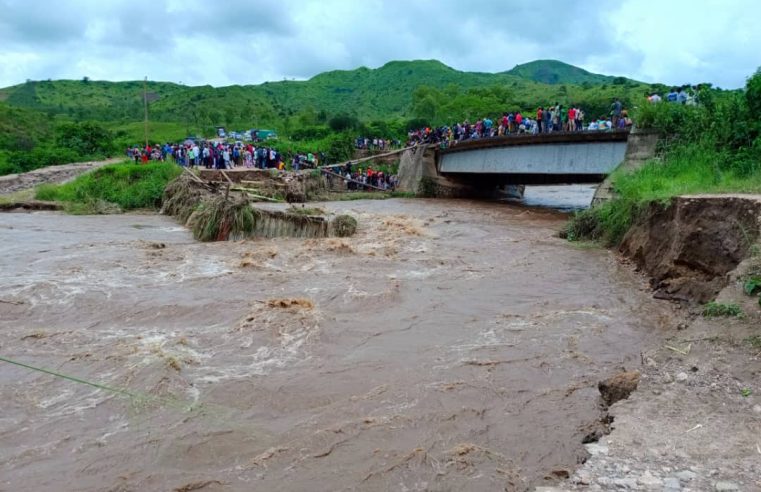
(571, 119)
(539, 115)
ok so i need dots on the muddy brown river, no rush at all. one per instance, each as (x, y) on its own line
(449, 345)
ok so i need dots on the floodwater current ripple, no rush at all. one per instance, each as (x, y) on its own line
(449, 345)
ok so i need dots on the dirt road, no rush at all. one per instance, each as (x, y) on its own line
(12, 183)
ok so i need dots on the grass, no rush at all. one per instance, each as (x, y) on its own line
(128, 186)
(305, 211)
(219, 219)
(18, 196)
(691, 169)
(754, 341)
(718, 309)
(364, 195)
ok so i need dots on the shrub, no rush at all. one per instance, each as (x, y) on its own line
(345, 225)
(718, 309)
(129, 186)
(85, 139)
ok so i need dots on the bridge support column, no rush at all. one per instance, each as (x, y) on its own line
(640, 148)
(418, 174)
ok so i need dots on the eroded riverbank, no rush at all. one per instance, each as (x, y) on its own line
(448, 345)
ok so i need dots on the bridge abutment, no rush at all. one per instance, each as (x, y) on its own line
(640, 148)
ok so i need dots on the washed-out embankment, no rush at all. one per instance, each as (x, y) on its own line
(698, 384)
(690, 245)
(214, 213)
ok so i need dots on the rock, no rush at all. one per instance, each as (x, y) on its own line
(667, 378)
(561, 473)
(649, 481)
(594, 448)
(625, 483)
(618, 387)
(582, 477)
(725, 486)
(671, 484)
(756, 408)
(686, 476)
(682, 377)
(548, 489)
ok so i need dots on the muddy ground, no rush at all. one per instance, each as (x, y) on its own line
(12, 183)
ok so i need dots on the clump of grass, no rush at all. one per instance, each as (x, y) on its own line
(93, 207)
(719, 309)
(345, 225)
(218, 219)
(129, 186)
(181, 197)
(306, 211)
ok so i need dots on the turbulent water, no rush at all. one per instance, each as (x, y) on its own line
(450, 345)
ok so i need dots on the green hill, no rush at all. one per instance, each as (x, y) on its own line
(557, 72)
(396, 91)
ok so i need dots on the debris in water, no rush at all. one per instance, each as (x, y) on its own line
(261, 459)
(289, 303)
(404, 224)
(197, 485)
(173, 363)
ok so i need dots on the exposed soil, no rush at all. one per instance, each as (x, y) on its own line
(694, 424)
(53, 174)
(690, 245)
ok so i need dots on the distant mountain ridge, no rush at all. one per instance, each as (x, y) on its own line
(556, 72)
(369, 94)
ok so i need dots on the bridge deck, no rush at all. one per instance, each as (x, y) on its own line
(573, 157)
(538, 139)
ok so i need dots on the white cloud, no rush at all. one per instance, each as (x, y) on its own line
(243, 42)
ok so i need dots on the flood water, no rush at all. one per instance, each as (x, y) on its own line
(449, 345)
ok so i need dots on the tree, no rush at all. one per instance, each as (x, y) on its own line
(85, 138)
(342, 122)
(85, 79)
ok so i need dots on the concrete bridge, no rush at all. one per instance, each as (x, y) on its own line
(482, 167)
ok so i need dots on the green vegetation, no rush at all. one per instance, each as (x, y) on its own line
(375, 101)
(128, 186)
(305, 211)
(557, 72)
(754, 341)
(29, 140)
(718, 309)
(218, 219)
(746, 392)
(752, 286)
(345, 225)
(711, 148)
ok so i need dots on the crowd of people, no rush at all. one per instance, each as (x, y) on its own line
(550, 119)
(222, 155)
(356, 178)
(681, 95)
(376, 143)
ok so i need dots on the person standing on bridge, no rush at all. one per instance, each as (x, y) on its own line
(539, 119)
(616, 109)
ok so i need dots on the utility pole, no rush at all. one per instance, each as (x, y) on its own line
(145, 109)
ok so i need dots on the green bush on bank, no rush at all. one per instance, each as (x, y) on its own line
(714, 147)
(130, 186)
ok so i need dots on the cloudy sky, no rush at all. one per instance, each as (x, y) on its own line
(223, 42)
